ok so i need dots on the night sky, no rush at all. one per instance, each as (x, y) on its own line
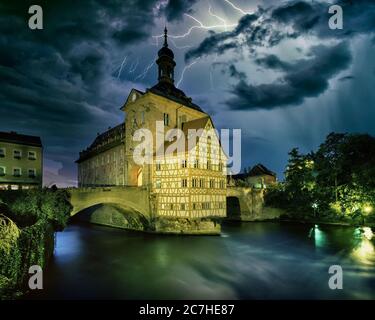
(272, 68)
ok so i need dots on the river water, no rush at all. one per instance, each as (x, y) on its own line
(260, 260)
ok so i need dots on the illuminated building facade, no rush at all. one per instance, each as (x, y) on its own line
(21, 161)
(183, 183)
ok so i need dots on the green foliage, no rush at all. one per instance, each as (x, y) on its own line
(275, 196)
(335, 183)
(29, 206)
(28, 219)
(9, 234)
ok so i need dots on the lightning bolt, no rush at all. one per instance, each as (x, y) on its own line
(217, 17)
(183, 72)
(200, 25)
(134, 66)
(121, 67)
(179, 47)
(237, 8)
(143, 74)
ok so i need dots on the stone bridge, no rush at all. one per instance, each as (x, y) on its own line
(134, 199)
(131, 208)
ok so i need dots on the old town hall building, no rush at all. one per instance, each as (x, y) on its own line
(182, 183)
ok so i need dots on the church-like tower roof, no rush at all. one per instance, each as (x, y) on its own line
(165, 86)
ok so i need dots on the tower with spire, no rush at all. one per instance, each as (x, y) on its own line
(165, 62)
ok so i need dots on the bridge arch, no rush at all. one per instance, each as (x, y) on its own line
(129, 198)
(243, 202)
(114, 215)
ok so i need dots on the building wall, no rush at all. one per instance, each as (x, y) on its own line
(9, 162)
(172, 188)
(103, 169)
(191, 184)
(143, 112)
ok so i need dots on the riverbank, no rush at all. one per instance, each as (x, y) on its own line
(324, 222)
(28, 221)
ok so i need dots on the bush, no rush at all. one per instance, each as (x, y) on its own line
(26, 207)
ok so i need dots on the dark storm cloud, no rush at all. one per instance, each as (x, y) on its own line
(215, 42)
(55, 81)
(303, 78)
(272, 62)
(175, 9)
(267, 27)
(234, 73)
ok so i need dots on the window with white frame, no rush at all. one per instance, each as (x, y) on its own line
(31, 155)
(17, 154)
(2, 152)
(2, 171)
(17, 172)
(32, 173)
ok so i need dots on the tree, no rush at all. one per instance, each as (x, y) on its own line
(337, 181)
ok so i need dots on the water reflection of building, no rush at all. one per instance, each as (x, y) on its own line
(21, 158)
(181, 186)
